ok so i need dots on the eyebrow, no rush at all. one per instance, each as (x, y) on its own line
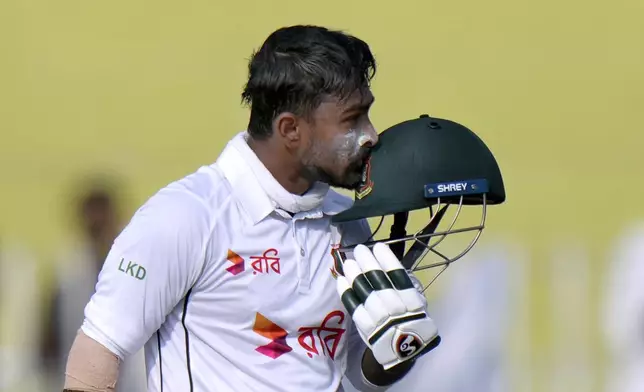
(361, 106)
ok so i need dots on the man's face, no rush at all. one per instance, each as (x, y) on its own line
(340, 137)
(98, 217)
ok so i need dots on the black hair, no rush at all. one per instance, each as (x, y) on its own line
(297, 67)
(96, 198)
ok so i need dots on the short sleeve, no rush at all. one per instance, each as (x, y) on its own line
(151, 266)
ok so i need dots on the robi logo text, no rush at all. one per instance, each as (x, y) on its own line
(317, 340)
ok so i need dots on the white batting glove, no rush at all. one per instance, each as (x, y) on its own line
(388, 310)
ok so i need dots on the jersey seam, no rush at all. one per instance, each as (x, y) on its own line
(160, 360)
(187, 338)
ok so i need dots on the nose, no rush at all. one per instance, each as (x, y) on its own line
(370, 137)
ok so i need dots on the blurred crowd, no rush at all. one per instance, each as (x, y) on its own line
(41, 320)
(482, 312)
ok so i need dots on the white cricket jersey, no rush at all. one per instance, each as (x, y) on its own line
(228, 291)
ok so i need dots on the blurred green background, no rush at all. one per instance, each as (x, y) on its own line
(150, 90)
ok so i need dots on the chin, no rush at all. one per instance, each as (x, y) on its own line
(351, 181)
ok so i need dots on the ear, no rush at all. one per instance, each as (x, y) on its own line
(286, 126)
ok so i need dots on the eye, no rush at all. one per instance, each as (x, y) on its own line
(354, 119)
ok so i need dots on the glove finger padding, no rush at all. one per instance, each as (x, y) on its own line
(378, 279)
(399, 277)
(355, 308)
(389, 312)
(365, 293)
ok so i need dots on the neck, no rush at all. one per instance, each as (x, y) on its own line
(281, 164)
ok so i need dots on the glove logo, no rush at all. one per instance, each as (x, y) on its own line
(407, 345)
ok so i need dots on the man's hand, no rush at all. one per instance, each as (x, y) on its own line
(388, 310)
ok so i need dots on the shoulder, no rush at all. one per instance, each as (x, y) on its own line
(187, 208)
(206, 189)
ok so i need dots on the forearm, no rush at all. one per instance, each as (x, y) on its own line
(91, 367)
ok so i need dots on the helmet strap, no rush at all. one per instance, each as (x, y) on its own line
(398, 231)
(419, 247)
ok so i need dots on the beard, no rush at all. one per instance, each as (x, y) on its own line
(349, 178)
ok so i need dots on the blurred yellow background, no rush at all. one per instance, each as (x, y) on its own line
(150, 90)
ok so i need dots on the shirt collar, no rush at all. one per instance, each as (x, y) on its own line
(260, 193)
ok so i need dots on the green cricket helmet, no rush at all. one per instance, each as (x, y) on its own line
(424, 163)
